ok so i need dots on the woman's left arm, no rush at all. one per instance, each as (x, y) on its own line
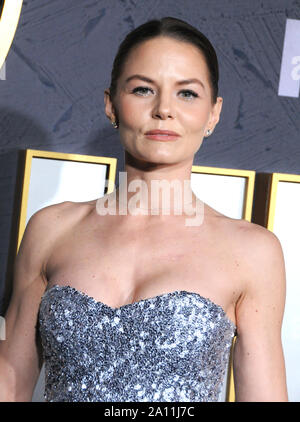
(258, 360)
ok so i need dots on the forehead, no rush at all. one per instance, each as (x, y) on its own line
(165, 54)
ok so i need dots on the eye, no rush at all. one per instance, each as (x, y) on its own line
(142, 90)
(188, 94)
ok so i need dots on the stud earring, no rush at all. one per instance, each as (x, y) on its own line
(114, 124)
(208, 132)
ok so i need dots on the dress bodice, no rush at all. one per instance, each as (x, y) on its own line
(172, 347)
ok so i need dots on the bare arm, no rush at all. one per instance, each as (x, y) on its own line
(258, 361)
(20, 353)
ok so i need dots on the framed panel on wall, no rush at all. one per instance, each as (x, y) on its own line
(231, 192)
(54, 177)
(282, 218)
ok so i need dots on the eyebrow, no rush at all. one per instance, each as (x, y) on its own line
(183, 82)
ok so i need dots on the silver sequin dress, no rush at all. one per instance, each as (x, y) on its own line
(170, 348)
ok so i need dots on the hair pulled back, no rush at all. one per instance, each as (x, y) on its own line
(173, 28)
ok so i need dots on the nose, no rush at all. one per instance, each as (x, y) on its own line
(163, 108)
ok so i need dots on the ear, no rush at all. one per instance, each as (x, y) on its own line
(109, 108)
(215, 114)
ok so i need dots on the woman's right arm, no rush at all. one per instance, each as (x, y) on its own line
(20, 352)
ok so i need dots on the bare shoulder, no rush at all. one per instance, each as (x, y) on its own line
(257, 249)
(58, 216)
(258, 358)
(245, 234)
(46, 223)
(259, 244)
(250, 238)
(43, 229)
(262, 261)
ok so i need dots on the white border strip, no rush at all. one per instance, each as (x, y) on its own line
(8, 25)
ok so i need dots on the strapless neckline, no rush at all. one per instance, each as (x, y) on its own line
(170, 347)
(138, 302)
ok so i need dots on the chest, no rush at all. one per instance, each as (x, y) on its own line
(134, 255)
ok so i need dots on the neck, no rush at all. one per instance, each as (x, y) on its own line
(156, 187)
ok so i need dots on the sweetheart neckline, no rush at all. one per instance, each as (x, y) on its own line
(98, 302)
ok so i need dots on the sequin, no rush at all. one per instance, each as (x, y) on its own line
(173, 347)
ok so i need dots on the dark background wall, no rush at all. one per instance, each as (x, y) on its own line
(60, 63)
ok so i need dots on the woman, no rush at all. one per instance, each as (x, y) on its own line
(141, 306)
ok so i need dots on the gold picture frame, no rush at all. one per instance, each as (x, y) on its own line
(275, 178)
(248, 176)
(281, 215)
(248, 180)
(30, 155)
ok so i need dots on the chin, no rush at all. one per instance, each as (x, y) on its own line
(154, 157)
(159, 159)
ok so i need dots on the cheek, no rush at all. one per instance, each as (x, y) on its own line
(195, 118)
(130, 112)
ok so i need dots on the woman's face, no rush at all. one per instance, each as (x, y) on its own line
(153, 93)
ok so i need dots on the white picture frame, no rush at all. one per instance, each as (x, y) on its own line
(282, 218)
(231, 192)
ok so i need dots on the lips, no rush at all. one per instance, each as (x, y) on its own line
(162, 132)
(162, 135)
